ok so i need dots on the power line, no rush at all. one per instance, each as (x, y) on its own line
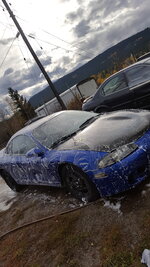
(55, 36)
(3, 33)
(34, 55)
(43, 51)
(7, 52)
(57, 46)
(24, 58)
(57, 71)
(12, 29)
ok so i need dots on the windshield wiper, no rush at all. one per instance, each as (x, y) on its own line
(88, 121)
(66, 137)
(62, 139)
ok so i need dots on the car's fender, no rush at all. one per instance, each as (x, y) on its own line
(102, 108)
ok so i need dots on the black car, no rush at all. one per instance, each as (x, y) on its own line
(128, 88)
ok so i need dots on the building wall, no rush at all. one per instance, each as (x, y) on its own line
(83, 90)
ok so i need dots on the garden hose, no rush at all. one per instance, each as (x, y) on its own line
(46, 218)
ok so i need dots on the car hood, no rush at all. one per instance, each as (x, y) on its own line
(110, 131)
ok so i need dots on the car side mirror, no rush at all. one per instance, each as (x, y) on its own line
(35, 152)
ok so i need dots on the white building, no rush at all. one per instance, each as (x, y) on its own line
(83, 89)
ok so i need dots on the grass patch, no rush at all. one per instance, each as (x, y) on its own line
(114, 251)
(64, 237)
(75, 103)
(20, 213)
(122, 259)
(70, 240)
(19, 252)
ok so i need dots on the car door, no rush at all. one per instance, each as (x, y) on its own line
(18, 165)
(43, 168)
(139, 83)
(30, 168)
(116, 94)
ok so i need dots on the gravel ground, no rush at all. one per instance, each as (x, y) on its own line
(112, 232)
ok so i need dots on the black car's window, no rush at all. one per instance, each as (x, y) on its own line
(115, 84)
(20, 145)
(138, 75)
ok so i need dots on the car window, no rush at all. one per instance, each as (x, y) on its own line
(20, 145)
(115, 84)
(62, 125)
(137, 75)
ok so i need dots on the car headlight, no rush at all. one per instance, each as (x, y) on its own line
(117, 155)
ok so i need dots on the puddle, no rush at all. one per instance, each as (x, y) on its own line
(6, 196)
(54, 199)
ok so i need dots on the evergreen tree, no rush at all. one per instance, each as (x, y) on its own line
(21, 104)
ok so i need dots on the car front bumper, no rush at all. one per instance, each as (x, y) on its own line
(127, 173)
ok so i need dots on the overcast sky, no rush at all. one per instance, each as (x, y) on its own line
(65, 34)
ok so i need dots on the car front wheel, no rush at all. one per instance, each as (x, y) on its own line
(78, 184)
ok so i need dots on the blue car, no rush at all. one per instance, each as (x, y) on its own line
(90, 154)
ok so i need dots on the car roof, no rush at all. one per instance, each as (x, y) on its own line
(143, 56)
(141, 62)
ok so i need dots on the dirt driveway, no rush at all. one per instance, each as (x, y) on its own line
(111, 232)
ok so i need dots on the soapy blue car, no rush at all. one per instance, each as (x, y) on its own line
(90, 154)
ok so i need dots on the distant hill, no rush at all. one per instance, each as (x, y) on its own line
(104, 61)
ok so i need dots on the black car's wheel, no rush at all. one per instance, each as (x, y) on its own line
(10, 182)
(78, 184)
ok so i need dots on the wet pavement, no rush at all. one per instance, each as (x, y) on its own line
(31, 204)
(7, 196)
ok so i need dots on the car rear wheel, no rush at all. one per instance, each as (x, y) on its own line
(11, 182)
(78, 184)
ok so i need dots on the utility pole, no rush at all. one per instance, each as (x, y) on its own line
(34, 55)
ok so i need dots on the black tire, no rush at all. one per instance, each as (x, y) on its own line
(78, 184)
(11, 182)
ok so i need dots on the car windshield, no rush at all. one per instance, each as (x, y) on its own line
(63, 125)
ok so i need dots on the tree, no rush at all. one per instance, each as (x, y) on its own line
(2, 114)
(21, 104)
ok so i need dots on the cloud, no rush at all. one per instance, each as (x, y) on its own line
(39, 53)
(8, 71)
(82, 28)
(65, 60)
(29, 81)
(102, 9)
(47, 61)
(108, 23)
(74, 16)
(6, 41)
(94, 26)
(57, 72)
